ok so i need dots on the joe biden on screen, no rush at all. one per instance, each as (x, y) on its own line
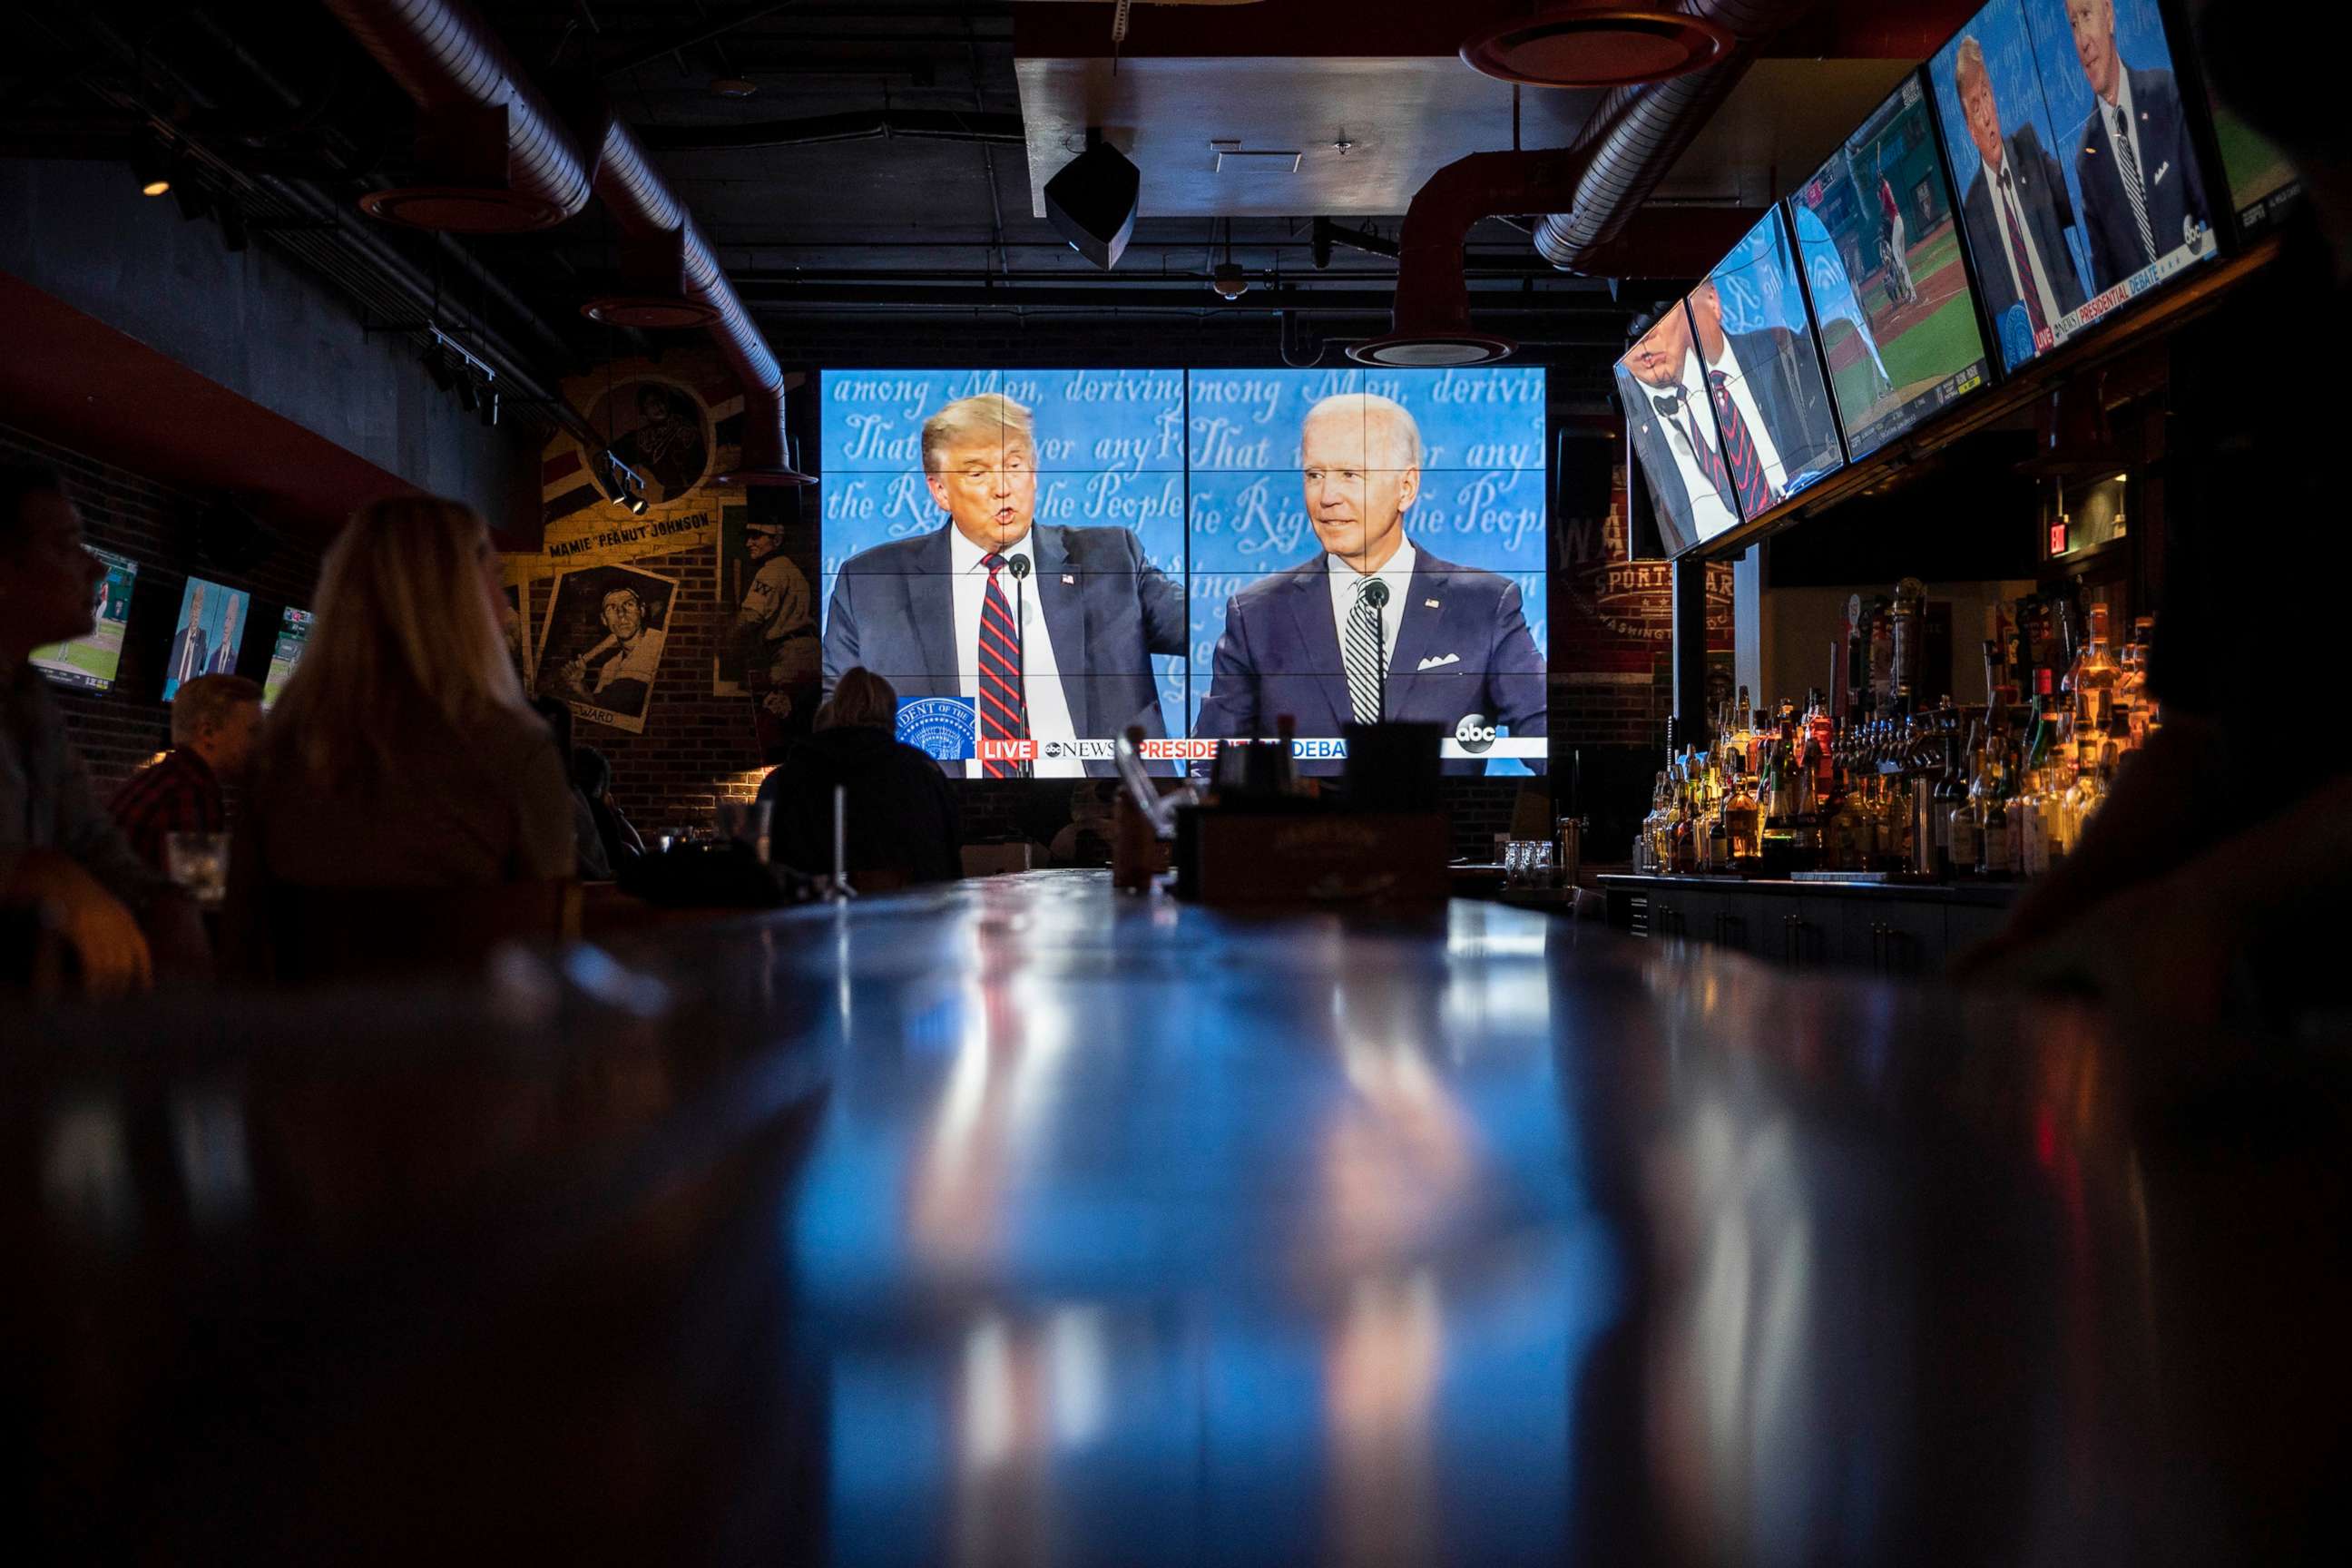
(1373, 627)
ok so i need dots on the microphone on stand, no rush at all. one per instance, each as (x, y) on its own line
(1376, 595)
(1019, 566)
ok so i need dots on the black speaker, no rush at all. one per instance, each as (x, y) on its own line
(1091, 203)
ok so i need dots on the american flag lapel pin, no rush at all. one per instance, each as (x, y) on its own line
(1429, 603)
(1068, 580)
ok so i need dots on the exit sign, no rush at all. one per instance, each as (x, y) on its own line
(2058, 538)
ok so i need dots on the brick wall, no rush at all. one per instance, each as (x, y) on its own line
(118, 730)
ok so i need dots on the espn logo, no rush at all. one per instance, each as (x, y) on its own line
(1158, 750)
(998, 750)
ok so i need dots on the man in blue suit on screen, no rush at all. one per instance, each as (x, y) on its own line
(2016, 212)
(2142, 196)
(1048, 632)
(1372, 626)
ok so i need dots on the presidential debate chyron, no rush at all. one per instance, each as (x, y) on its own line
(1039, 560)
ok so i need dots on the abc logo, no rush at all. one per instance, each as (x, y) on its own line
(1474, 734)
(1057, 749)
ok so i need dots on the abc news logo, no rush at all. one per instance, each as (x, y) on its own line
(1084, 751)
(1474, 735)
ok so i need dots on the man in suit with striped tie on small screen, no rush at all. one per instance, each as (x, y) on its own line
(2142, 196)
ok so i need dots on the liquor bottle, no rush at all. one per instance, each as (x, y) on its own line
(1992, 815)
(1951, 794)
(2095, 681)
(1961, 837)
(1743, 823)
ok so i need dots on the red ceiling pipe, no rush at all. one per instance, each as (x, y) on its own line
(1636, 135)
(451, 63)
(1433, 297)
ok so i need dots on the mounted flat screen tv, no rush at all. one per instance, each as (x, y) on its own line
(1755, 342)
(2079, 184)
(91, 662)
(205, 637)
(1879, 236)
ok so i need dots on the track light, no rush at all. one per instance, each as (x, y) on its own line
(490, 410)
(191, 198)
(470, 396)
(638, 505)
(154, 174)
(438, 369)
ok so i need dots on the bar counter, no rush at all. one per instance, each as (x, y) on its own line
(1024, 1222)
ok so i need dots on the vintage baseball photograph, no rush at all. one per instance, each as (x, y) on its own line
(602, 646)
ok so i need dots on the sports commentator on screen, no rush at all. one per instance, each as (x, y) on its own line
(1372, 626)
(1048, 631)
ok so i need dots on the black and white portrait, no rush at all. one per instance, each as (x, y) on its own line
(602, 649)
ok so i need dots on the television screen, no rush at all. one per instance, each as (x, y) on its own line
(2080, 187)
(1037, 560)
(293, 635)
(1881, 246)
(92, 661)
(1670, 425)
(205, 638)
(2263, 187)
(1756, 348)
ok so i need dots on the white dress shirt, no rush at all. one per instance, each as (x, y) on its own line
(1397, 573)
(637, 662)
(1743, 397)
(1710, 513)
(2038, 279)
(1041, 677)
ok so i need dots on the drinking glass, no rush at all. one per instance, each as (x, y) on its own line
(746, 823)
(198, 864)
(1539, 862)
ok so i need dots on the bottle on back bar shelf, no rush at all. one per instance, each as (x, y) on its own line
(2095, 681)
(1992, 815)
(1742, 824)
(1960, 838)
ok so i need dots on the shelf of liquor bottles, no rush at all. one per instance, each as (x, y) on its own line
(1865, 796)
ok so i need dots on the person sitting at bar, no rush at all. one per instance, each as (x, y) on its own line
(216, 724)
(2210, 886)
(403, 753)
(589, 858)
(592, 775)
(902, 824)
(63, 860)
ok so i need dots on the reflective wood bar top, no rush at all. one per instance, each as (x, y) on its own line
(1025, 1222)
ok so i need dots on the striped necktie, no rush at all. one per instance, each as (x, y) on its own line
(1365, 656)
(1004, 710)
(2132, 191)
(1757, 495)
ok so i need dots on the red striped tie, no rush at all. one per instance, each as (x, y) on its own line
(1004, 711)
(1756, 492)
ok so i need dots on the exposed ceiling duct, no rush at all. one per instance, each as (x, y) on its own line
(453, 65)
(1639, 130)
(1630, 142)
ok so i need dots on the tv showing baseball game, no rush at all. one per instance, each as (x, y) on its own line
(92, 661)
(2080, 187)
(285, 652)
(1879, 238)
(1040, 559)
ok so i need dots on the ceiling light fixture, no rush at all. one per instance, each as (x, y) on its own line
(154, 174)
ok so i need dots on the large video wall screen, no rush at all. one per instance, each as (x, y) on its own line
(1038, 559)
